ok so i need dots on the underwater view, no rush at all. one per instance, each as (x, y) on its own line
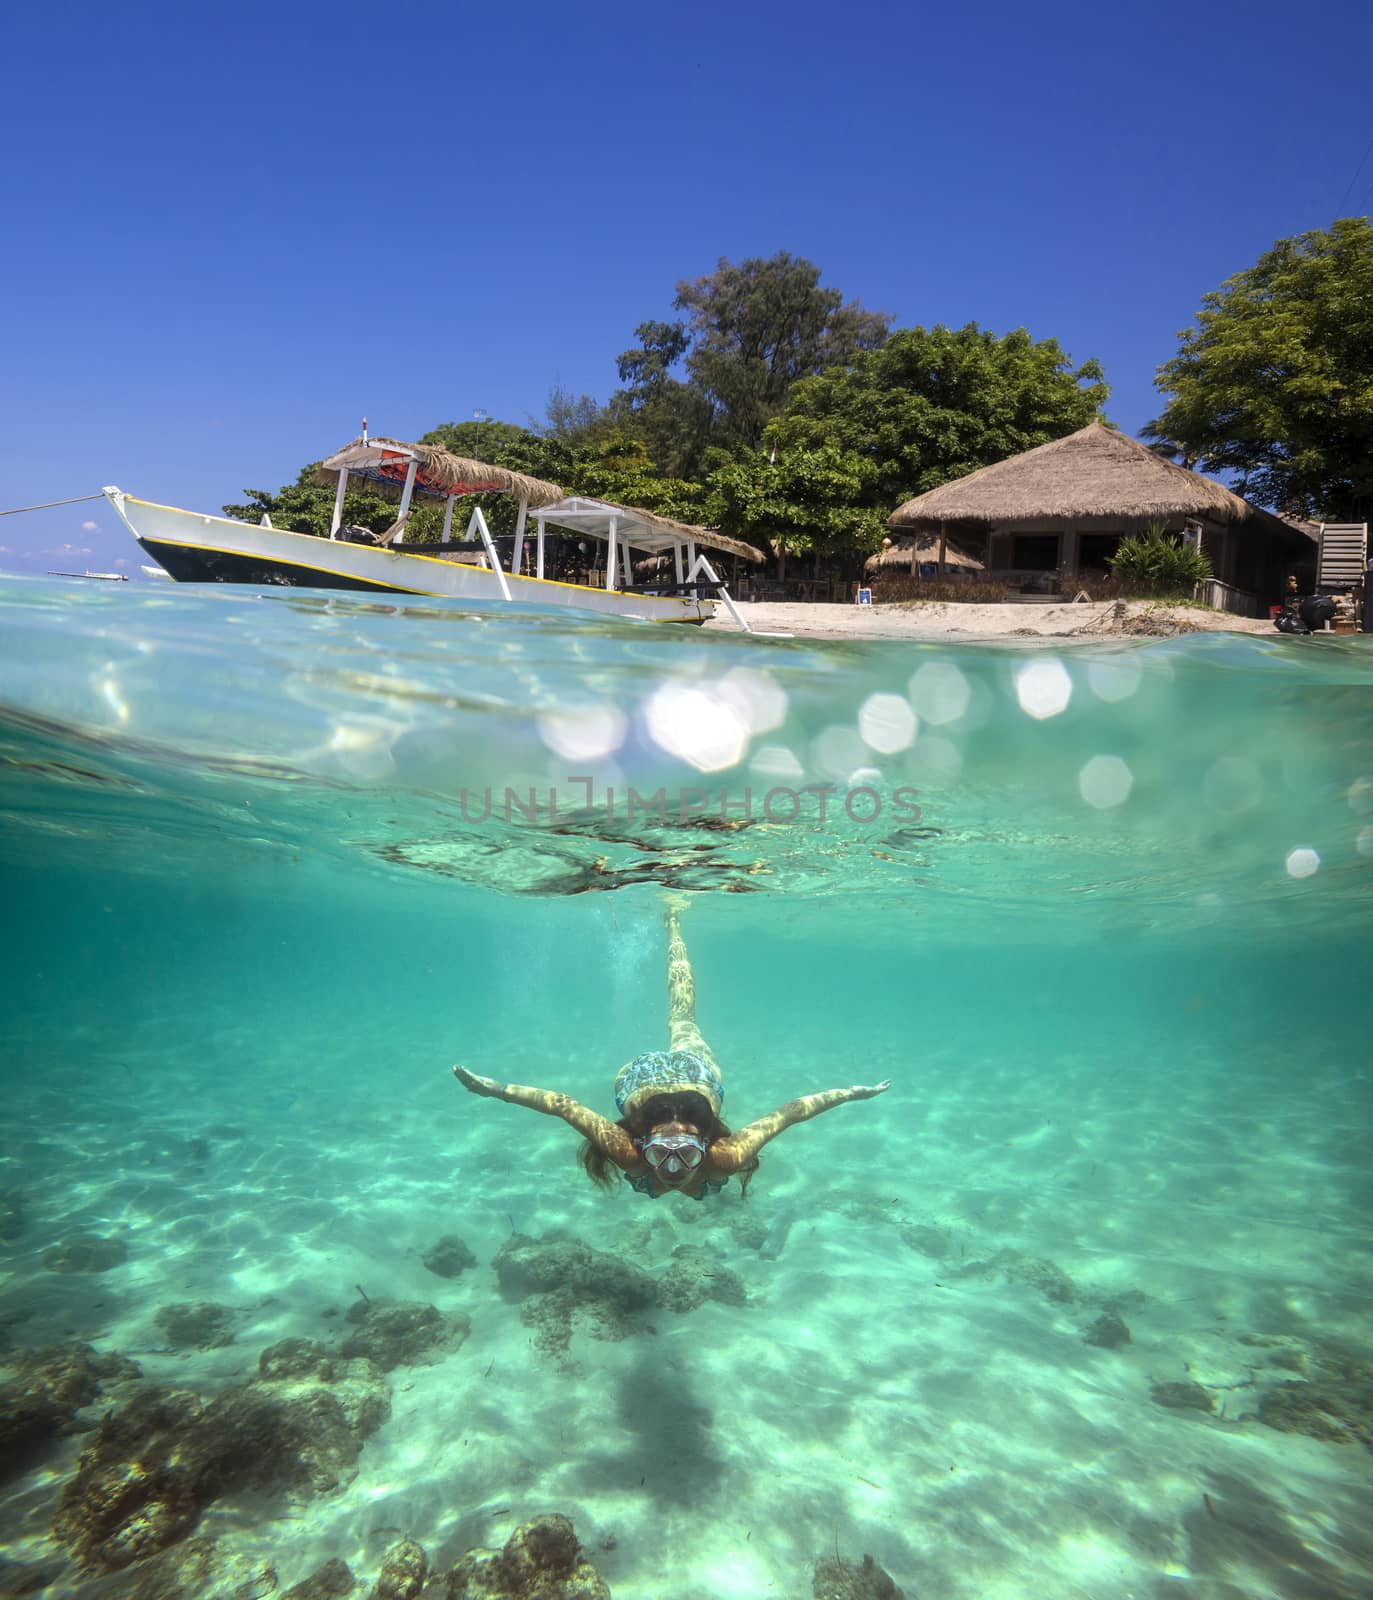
(1081, 1305)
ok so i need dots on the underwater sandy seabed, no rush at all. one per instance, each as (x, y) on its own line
(1101, 1334)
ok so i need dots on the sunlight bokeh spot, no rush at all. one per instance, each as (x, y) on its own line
(1303, 863)
(837, 751)
(939, 692)
(1105, 781)
(1115, 678)
(887, 724)
(775, 761)
(1043, 688)
(696, 724)
(757, 697)
(584, 732)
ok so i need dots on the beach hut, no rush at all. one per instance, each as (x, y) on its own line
(919, 552)
(1045, 518)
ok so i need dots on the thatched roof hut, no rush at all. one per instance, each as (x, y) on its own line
(1059, 510)
(921, 548)
(439, 474)
(1096, 477)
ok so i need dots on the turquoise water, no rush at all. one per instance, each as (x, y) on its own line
(1100, 911)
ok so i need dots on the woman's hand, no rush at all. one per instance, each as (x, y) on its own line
(859, 1091)
(487, 1087)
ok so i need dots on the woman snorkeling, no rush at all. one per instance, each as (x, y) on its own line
(669, 1139)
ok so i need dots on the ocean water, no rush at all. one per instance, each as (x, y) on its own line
(1101, 912)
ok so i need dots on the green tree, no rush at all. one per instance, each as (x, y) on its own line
(1275, 382)
(308, 507)
(674, 419)
(619, 468)
(751, 332)
(935, 403)
(757, 328)
(808, 501)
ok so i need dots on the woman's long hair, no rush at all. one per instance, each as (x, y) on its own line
(603, 1171)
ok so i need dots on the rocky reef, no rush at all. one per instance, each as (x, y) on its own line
(837, 1579)
(541, 1560)
(402, 1333)
(448, 1257)
(1334, 1402)
(565, 1285)
(155, 1464)
(40, 1393)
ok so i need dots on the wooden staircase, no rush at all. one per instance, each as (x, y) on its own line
(1342, 555)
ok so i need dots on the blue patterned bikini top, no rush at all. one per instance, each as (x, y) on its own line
(644, 1185)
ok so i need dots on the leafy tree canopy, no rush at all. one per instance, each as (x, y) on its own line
(306, 507)
(1275, 381)
(809, 500)
(932, 404)
(751, 332)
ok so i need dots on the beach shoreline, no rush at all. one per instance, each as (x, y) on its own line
(940, 619)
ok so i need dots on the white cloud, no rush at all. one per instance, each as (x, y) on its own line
(90, 527)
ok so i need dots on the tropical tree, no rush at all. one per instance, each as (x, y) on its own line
(807, 501)
(1274, 383)
(752, 330)
(308, 507)
(934, 403)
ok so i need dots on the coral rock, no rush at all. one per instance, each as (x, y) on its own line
(1108, 1331)
(1182, 1396)
(566, 1282)
(403, 1333)
(43, 1392)
(402, 1573)
(837, 1579)
(693, 1278)
(449, 1256)
(542, 1560)
(155, 1464)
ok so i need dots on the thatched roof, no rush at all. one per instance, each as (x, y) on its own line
(1095, 474)
(897, 557)
(385, 463)
(643, 530)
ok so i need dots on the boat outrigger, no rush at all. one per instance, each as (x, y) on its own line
(195, 548)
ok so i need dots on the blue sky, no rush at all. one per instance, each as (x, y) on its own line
(232, 231)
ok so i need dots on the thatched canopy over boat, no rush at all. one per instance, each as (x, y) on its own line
(439, 474)
(1095, 477)
(642, 530)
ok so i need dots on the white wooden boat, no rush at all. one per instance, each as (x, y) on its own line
(193, 547)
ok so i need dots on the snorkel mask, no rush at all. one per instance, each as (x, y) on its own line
(673, 1157)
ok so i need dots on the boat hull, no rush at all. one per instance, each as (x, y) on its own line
(195, 548)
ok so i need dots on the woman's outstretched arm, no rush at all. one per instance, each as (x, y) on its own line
(607, 1135)
(730, 1154)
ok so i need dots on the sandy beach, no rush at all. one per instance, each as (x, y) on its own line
(941, 619)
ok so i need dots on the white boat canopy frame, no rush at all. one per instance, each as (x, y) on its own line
(623, 529)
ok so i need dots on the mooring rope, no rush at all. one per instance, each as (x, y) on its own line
(47, 504)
